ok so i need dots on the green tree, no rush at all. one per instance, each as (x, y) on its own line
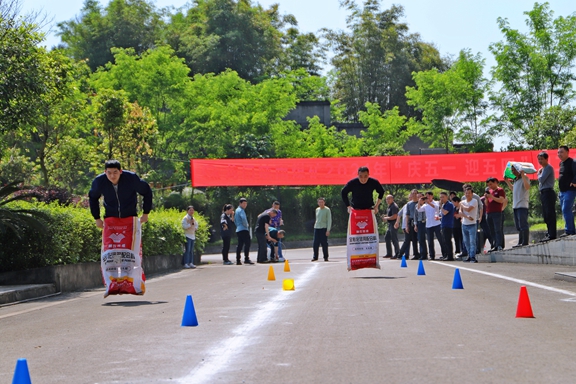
(385, 133)
(452, 104)
(315, 141)
(126, 129)
(375, 59)
(472, 108)
(436, 96)
(301, 51)
(157, 80)
(535, 70)
(223, 110)
(555, 127)
(216, 35)
(58, 110)
(135, 24)
(22, 71)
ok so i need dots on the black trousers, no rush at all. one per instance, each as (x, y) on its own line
(548, 200)
(243, 242)
(262, 247)
(430, 232)
(414, 239)
(320, 239)
(422, 239)
(391, 238)
(405, 248)
(448, 250)
(225, 247)
(457, 233)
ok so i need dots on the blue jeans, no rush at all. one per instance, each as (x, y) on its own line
(566, 203)
(189, 252)
(469, 237)
(521, 219)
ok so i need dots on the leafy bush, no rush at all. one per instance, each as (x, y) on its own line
(163, 234)
(72, 237)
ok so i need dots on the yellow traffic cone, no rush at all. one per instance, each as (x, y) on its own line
(271, 276)
(286, 266)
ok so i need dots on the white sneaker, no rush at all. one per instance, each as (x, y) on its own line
(281, 259)
(191, 266)
(186, 266)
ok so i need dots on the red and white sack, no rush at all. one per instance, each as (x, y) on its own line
(121, 261)
(362, 240)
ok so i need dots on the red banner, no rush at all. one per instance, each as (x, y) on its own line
(413, 169)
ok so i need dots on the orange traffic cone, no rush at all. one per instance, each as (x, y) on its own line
(524, 307)
(286, 266)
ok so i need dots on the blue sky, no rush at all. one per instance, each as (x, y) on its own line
(451, 25)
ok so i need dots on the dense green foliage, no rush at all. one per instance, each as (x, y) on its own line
(536, 70)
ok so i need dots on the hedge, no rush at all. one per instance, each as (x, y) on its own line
(71, 237)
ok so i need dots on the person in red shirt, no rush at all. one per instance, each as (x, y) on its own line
(495, 197)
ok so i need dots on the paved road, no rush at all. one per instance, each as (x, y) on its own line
(367, 326)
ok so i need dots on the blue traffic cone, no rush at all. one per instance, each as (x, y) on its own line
(403, 264)
(457, 284)
(21, 374)
(189, 318)
(421, 269)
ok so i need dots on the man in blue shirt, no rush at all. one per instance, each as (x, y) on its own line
(447, 224)
(242, 232)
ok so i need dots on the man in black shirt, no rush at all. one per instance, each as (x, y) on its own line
(362, 189)
(567, 187)
(262, 231)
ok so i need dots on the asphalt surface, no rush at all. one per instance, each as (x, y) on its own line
(367, 326)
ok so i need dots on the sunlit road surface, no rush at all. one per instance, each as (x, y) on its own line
(368, 326)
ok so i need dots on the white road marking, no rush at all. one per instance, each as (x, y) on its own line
(51, 304)
(520, 281)
(220, 356)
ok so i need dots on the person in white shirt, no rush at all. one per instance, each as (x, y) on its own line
(190, 225)
(432, 210)
(469, 215)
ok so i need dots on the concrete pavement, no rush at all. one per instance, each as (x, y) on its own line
(366, 326)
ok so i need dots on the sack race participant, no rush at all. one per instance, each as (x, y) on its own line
(362, 240)
(121, 261)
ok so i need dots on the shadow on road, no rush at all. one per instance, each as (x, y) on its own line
(380, 277)
(133, 303)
